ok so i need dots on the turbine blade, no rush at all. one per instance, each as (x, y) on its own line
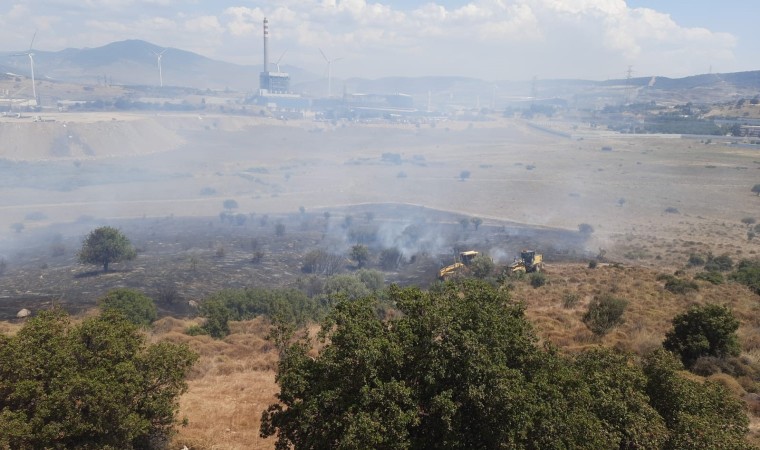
(32, 43)
(323, 55)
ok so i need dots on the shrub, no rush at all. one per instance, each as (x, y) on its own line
(592, 264)
(722, 263)
(748, 274)
(605, 312)
(680, 286)
(712, 277)
(136, 307)
(279, 229)
(748, 220)
(537, 279)
(195, 330)
(360, 254)
(570, 299)
(230, 204)
(671, 210)
(482, 266)
(217, 317)
(696, 260)
(708, 330)
(585, 228)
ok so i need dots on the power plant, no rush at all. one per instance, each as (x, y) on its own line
(272, 82)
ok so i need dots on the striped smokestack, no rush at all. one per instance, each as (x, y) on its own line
(266, 45)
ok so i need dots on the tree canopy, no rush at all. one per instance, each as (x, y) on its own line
(135, 306)
(460, 367)
(708, 330)
(105, 245)
(92, 385)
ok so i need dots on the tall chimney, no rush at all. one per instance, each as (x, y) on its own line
(266, 46)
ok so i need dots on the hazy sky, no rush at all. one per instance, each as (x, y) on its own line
(489, 39)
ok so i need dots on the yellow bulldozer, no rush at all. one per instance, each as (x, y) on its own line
(529, 261)
(464, 260)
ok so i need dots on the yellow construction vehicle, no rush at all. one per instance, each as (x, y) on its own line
(529, 261)
(464, 260)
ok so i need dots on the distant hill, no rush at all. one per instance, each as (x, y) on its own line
(132, 62)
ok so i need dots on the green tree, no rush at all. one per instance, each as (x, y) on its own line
(360, 254)
(230, 204)
(105, 245)
(459, 369)
(621, 402)
(482, 266)
(217, 317)
(708, 330)
(476, 222)
(605, 312)
(86, 386)
(135, 306)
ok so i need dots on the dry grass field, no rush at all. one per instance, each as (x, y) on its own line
(651, 200)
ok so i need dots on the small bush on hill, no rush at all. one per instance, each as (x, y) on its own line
(136, 307)
(696, 260)
(537, 279)
(708, 330)
(712, 277)
(605, 312)
(748, 274)
(680, 286)
(722, 263)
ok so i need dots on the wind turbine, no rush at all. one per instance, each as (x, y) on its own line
(277, 64)
(329, 72)
(31, 64)
(160, 72)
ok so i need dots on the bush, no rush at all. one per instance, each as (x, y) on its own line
(712, 277)
(537, 279)
(592, 264)
(680, 286)
(195, 330)
(92, 385)
(748, 274)
(570, 299)
(585, 228)
(360, 254)
(722, 263)
(605, 312)
(748, 220)
(671, 210)
(136, 307)
(217, 317)
(696, 260)
(708, 330)
(482, 266)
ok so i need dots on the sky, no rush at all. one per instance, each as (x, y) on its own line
(487, 39)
